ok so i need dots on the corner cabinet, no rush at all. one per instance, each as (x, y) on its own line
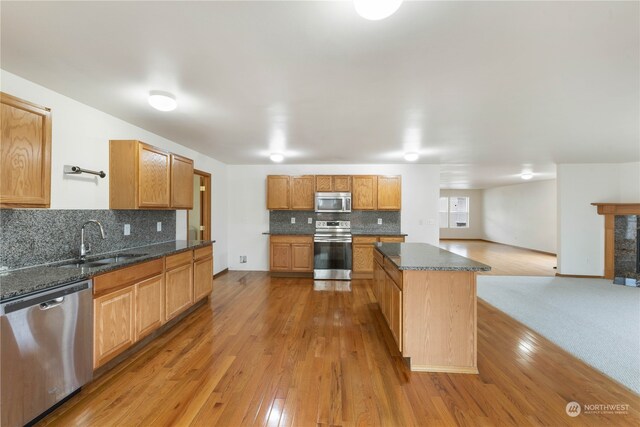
(25, 154)
(145, 177)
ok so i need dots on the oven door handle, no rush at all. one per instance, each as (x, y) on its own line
(329, 240)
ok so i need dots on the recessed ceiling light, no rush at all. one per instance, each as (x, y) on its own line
(526, 175)
(374, 10)
(411, 157)
(163, 101)
(276, 157)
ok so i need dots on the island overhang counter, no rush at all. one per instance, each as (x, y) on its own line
(428, 298)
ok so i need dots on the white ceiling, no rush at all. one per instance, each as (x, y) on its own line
(485, 88)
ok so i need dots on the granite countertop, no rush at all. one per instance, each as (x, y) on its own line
(14, 283)
(422, 256)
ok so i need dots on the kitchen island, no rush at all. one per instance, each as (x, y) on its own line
(428, 298)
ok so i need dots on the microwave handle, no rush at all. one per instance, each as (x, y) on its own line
(348, 203)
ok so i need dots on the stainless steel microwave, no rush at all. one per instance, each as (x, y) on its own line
(333, 202)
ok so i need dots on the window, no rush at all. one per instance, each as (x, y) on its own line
(454, 212)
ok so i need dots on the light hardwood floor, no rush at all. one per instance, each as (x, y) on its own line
(505, 260)
(269, 352)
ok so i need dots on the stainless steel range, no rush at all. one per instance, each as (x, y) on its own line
(332, 250)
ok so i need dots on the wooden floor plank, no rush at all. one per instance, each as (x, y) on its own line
(273, 352)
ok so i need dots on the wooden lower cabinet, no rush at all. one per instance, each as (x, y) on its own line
(114, 324)
(178, 290)
(202, 273)
(291, 254)
(389, 296)
(363, 248)
(149, 306)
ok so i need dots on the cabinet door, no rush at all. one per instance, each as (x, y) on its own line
(181, 182)
(280, 256)
(363, 258)
(378, 282)
(389, 193)
(395, 321)
(278, 192)
(202, 278)
(365, 192)
(323, 183)
(341, 183)
(178, 290)
(302, 192)
(149, 306)
(302, 257)
(153, 177)
(113, 325)
(25, 154)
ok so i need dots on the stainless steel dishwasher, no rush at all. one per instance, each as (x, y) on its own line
(46, 350)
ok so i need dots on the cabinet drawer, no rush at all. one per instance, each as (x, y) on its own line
(291, 239)
(393, 272)
(177, 260)
(364, 239)
(127, 276)
(391, 239)
(205, 252)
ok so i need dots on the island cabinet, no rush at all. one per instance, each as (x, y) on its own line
(25, 154)
(377, 192)
(427, 297)
(363, 248)
(127, 306)
(333, 183)
(290, 192)
(145, 177)
(291, 254)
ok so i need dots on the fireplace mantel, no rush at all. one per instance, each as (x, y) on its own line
(610, 210)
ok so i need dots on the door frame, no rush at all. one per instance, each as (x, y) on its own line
(205, 204)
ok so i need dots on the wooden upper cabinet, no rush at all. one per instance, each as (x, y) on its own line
(25, 158)
(154, 177)
(278, 192)
(365, 192)
(145, 177)
(389, 192)
(181, 182)
(302, 192)
(333, 183)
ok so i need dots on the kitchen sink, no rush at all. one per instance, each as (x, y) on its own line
(100, 261)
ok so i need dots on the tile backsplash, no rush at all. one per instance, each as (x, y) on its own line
(361, 221)
(38, 236)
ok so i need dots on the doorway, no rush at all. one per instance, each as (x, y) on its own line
(199, 218)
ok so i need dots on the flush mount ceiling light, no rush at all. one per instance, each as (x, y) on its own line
(411, 157)
(374, 10)
(276, 157)
(163, 101)
(526, 175)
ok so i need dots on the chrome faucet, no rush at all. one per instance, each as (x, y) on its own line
(86, 247)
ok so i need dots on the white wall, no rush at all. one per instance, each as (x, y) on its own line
(580, 228)
(80, 136)
(248, 215)
(522, 215)
(474, 231)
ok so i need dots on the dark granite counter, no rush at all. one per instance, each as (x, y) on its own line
(288, 233)
(421, 256)
(25, 281)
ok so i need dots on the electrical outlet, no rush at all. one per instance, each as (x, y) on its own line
(309, 220)
(159, 226)
(127, 229)
(379, 221)
(243, 259)
(293, 220)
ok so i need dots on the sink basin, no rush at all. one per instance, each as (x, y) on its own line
(101, 261)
